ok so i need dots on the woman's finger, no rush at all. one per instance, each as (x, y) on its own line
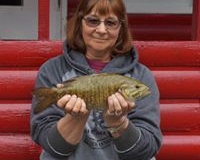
(83, 109)
(123, 103)
(62, 101)
(77, 106)
(111, 108)
(70, 104)
(117, 106)
(131, 105)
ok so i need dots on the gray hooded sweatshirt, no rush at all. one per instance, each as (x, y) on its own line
(141, 140)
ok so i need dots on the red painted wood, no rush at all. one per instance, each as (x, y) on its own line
(15, 117)
(18, 147)
(152, 53)
(180, 116)
(16, 85)
(72, 5)
(162, 33)
(169, 54)
(196, 20)
(158, 19)
(43, 19)
(168, 27)
(27, 53)
(178, 84)
(177, 117)
(180, 148)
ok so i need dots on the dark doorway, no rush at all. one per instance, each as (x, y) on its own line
(11, 2)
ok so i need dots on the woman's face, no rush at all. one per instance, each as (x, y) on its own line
(100, 33)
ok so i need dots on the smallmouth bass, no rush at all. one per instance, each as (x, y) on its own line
(93, 89)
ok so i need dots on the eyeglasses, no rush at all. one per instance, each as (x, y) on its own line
(110, 23)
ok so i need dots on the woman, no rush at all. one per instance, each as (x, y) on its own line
(98, 40)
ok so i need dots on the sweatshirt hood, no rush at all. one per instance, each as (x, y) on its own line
(120, 64)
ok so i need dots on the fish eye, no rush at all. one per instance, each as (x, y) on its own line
(137, 86)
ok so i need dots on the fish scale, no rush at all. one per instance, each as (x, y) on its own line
(93, 89)
(96, 94)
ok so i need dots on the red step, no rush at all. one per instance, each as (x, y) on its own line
(151, 53)
(177, 116)
(18, 147)
(180, 147)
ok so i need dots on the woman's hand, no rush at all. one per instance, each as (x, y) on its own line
(116, 114)
(73, 105)
(118, 106)
(72, 125)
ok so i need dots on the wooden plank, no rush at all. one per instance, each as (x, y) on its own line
(15, 117)
(180, 148)
(43, 19)
(177, 117)
(174, 147)
(169, 54)
(152, 53)
(72, 5)
(178, 84)
(165, 27)
(180, 116)
(196, 20)
(27, 53)
(18, 147)
(162, 33)
(16, 85)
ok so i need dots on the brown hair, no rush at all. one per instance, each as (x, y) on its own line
(103, 7)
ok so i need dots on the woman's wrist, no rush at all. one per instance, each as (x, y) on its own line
(71, 128)
(117, 129)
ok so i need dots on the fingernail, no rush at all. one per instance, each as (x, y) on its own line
(111, 113)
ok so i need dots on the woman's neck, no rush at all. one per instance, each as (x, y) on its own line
(102, 57)
(96, 65)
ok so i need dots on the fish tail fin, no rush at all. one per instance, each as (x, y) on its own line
(44, 97)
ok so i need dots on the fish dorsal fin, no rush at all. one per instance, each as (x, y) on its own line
(106, 74)
(69, 82)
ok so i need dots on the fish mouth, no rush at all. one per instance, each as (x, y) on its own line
(143, 93)
(147, 92)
